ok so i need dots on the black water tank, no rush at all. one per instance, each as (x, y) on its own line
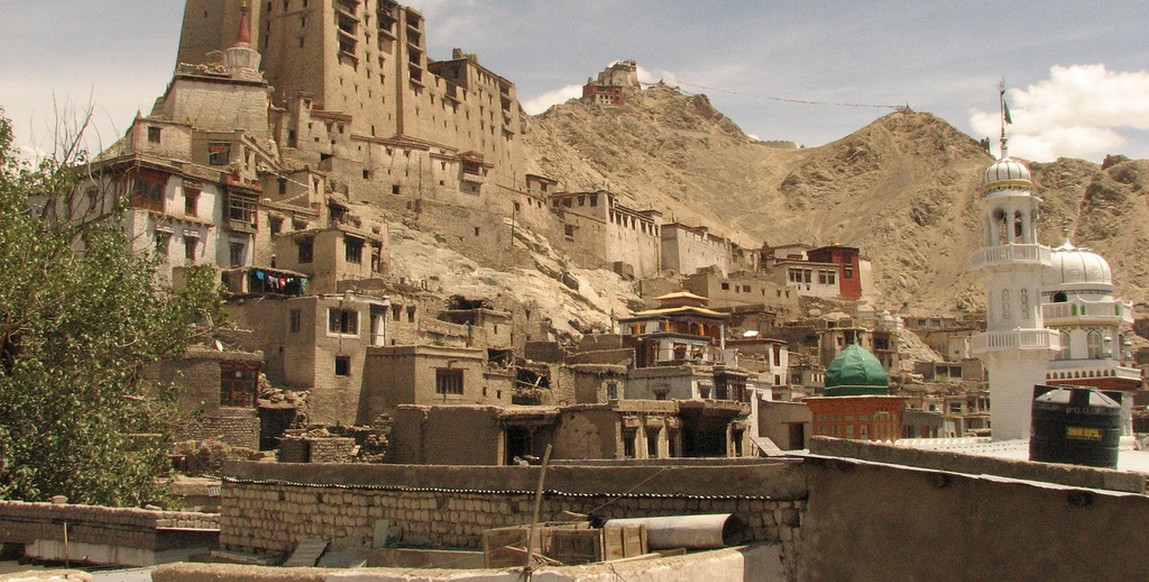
(1076, 425)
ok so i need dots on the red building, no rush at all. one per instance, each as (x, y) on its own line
(604, 95)
(849, 267)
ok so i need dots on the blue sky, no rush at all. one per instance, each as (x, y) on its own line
(1076, 71)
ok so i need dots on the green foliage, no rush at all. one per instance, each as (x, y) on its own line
(80, 316)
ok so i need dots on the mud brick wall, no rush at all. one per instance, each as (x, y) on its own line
(24, 523)
(269, 508)
(316, 450)
(331, 450)
(238, 427)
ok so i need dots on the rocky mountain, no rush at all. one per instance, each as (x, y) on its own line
(904, 189)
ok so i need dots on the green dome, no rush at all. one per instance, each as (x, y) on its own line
(855, 371)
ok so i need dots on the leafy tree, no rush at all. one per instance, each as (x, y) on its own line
(80, 317)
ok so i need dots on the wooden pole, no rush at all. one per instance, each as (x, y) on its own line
(537, 510)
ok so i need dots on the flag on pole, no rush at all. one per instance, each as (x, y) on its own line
(1005, 108)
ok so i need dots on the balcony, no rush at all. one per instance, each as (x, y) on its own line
(1010, 255)
(1016, 339)
(1071, 370)
(1111, 312)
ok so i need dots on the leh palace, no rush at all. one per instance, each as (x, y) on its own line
(444, 355)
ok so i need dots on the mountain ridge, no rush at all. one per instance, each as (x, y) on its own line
(904, 188)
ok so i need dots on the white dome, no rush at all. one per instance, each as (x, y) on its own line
(1006, 172)
(1072, 267)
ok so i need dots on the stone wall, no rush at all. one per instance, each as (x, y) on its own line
(108, 535)
(316, 450)
(331, 450)
(269, 508)
(238, 427)
(831, 517)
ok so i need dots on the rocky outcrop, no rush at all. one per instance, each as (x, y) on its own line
(904, 189)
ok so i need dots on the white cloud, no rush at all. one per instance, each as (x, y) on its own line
(650, 76)
(541, 103)
(1077, 112)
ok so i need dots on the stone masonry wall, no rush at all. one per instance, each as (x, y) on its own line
(269, 508)
(24, 523)
(331, 450)
(238, 427)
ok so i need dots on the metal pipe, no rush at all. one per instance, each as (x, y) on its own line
(694, 532)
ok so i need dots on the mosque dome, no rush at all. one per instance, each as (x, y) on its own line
(1074, 268)
(1006, 172)
(855, 371)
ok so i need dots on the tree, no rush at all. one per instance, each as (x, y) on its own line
(80, 317)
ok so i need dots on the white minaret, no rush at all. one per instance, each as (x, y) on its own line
(1016, 346)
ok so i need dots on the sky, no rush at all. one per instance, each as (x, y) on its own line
(1075, 72)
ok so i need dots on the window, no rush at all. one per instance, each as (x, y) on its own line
(1064, 353)
(154, 134)
(296, 320)
(162, 240)
(848, 272)
(628, 438)
(241, 208)
(191, 202)
(238, 382)
(342, 365)
(652, 442)
(1093, 340)
(448, 381)
(236, 253)
(395, 189)
(190, 243)
(343, 321)
(306, 248)
(377, 265)
(612, 391)
(353, 249)
(218, 153)
(276, 225)
(149, 193)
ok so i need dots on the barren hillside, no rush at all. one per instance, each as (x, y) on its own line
(904, 189)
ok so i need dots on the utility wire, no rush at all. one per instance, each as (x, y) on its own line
(785, 99)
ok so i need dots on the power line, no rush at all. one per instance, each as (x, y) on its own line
(786, 99)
